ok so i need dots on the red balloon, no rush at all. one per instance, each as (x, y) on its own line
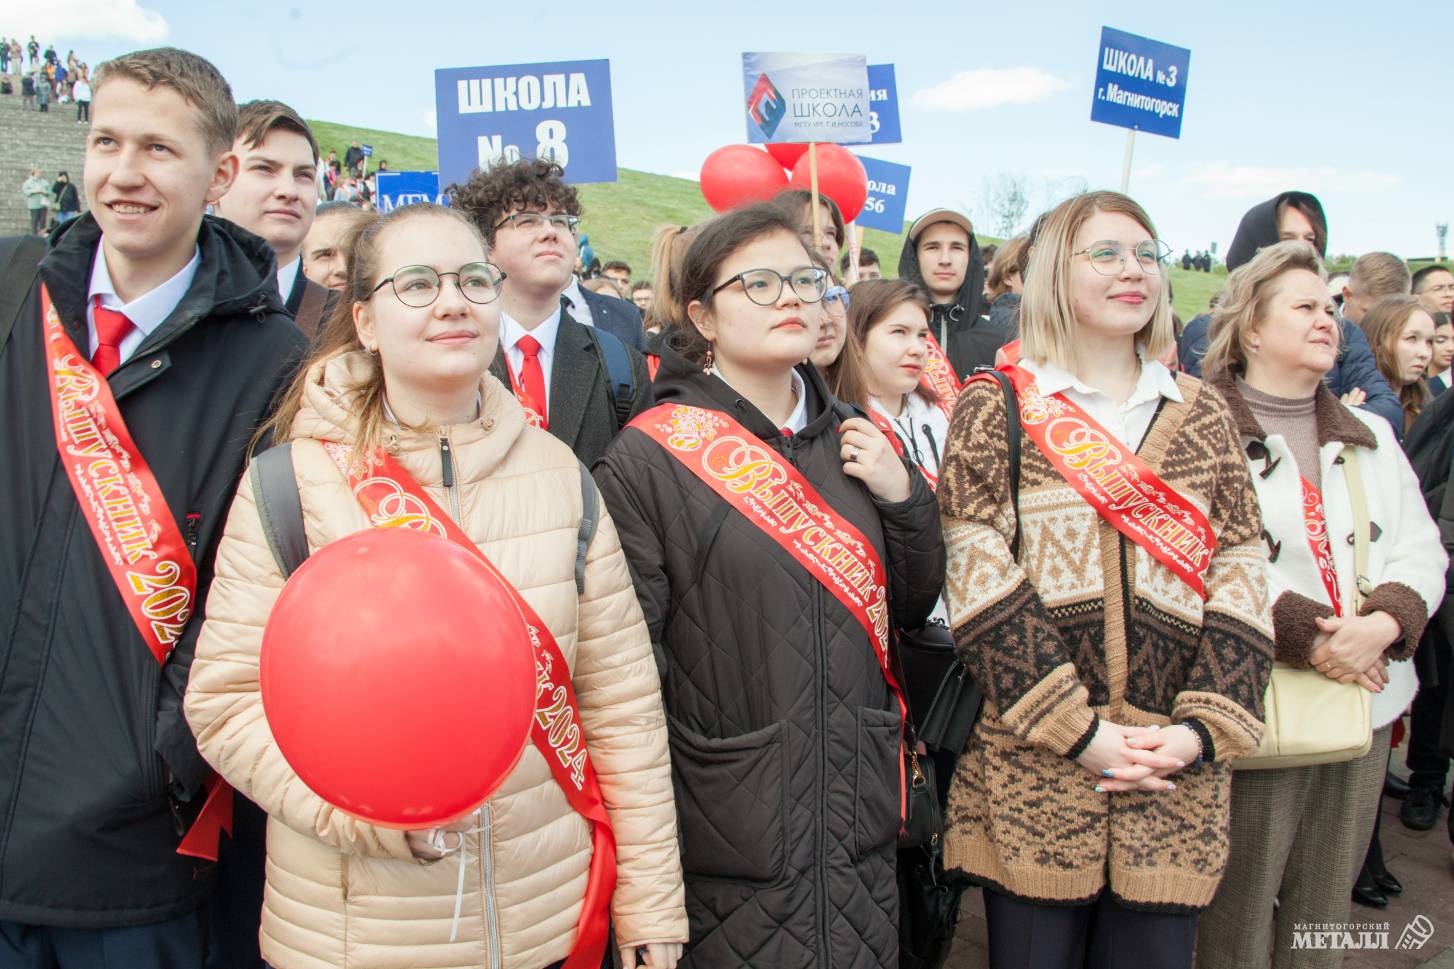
(840, 177)
(398, 678)
(736, 175)
(787, 153)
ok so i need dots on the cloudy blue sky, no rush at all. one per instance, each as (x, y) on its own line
(1347, 100)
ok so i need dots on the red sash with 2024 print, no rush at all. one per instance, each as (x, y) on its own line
(132, 525)
(939, 376)
(1114, 481)
(774, 496)
(393, 499)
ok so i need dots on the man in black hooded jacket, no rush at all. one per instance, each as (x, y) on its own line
(942, 256)
(1299, 215)
(100, 777)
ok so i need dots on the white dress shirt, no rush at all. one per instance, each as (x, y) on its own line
(146, 312)
(287, 276)
(545, 333)
(580, 310)
(1130, 421)
(921, 426)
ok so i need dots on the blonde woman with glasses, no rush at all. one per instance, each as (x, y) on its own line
(1112, 607)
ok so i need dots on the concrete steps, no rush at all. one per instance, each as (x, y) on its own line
(52, 142)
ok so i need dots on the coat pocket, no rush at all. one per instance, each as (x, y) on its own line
(877, 812)
(731, 799)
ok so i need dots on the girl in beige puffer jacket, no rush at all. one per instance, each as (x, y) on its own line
(344, 893)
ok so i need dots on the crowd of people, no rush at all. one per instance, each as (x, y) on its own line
(42, 79)
(855, 593)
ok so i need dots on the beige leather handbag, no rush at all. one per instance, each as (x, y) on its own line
(1309, 718)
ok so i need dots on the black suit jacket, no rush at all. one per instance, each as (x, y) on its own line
(311, 327)
(1437, 386)
(617, 316)
(579, 410)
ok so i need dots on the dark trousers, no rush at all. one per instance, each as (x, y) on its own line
(83, 110)
(1101, 935)
(235, 910)
(38, 219)
(1428, 764)
(176, 944)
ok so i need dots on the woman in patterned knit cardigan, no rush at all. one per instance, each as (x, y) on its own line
(1092, 800)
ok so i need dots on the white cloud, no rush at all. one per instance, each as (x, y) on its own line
(988, 87)
(1224, 180)
(1149, 171)
(430, 120)
(76, 19)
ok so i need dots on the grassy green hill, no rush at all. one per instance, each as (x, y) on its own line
(621, 216)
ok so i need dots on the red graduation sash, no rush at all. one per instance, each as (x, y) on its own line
(1315, 527)
(131, 523)
(774, 496)
(1114, 481)
(653, 364)
(393, 499)
(939, 377)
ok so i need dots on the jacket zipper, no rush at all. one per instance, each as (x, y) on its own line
(820, 840)
(1125, 618)
(487, 851)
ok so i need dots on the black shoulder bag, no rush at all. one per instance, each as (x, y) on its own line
(944, 704)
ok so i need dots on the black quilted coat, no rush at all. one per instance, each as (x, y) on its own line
(784, 734)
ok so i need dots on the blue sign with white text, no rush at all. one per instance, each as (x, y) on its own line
(1140, 83)
(405, 188)
(883, 103)
(888, 195)
(559, 111)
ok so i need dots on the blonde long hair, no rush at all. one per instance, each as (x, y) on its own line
(339, 335)
(1243, 299)
(1047, 314)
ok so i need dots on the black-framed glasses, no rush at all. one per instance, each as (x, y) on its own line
(1108, 256)
(531, 221)
(837, 294)
(765, 286)
(419, 286)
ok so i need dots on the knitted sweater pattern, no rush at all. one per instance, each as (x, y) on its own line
(1088, 625)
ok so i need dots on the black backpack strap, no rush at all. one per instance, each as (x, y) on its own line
(590, 518)
(620, 378)
(20, 256)
(1012, 436)
(279, 506)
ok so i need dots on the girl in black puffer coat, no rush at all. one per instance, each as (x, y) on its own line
(784, 731)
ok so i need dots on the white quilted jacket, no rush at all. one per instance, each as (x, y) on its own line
(342, 893)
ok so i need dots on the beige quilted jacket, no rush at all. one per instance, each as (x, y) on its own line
(342, 893)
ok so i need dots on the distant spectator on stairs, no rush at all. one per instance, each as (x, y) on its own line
(16, 58)
(4, 56)
(42, 92)
(37, 200)
(27, 92)
(67, 199)
(82, 93)
(33, 47)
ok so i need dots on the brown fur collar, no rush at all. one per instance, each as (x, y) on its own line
(1335, 423)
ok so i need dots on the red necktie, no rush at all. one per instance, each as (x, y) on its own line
(111, 328)
(532, 378)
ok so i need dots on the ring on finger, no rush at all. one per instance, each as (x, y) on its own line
(853, 453)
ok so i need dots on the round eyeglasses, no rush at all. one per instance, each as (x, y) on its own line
(532, 221)
(765, 286)
(419, 286)
(837, 294)
(1108, 257)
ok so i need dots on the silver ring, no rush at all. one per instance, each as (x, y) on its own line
(853, 453)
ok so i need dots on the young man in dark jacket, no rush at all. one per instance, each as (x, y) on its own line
(179, 316)
(560, 367)
(276, 196)
(943, 256)
(1299, 215)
